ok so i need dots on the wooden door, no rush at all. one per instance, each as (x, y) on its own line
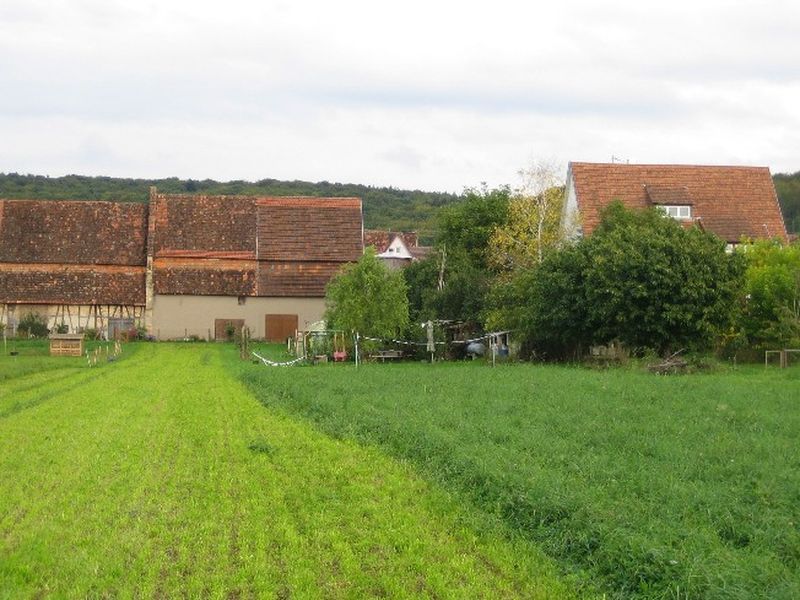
(279, 327)
(224, 327)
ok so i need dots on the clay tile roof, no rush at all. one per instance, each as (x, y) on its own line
(660, 194)
(310, 229)
(203, 226)
(72, 284)
(73, 232)
(732, 202)
(295, 279)
(381, 238)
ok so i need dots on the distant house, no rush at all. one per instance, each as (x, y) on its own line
(396, 249)
(184, 265)
(730, 202)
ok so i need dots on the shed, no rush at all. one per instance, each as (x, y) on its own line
(66, 344)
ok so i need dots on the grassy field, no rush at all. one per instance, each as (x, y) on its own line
(652, 487)
(160, 475)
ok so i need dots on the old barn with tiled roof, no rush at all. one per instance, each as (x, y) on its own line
(181, 266)
(81, 263)
(263, 262)
(730, 202)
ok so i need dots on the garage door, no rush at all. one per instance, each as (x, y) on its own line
(279, 327)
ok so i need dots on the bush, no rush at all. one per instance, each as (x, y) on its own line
(32, 325)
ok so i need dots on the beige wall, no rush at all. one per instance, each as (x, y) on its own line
(177, 316)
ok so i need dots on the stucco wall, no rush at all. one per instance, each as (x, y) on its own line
(175, 317)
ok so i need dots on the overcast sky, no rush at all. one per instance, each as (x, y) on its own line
(412, 94)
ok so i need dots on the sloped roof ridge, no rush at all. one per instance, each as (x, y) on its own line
(671, 165)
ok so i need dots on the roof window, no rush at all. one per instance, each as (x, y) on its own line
(681, 212)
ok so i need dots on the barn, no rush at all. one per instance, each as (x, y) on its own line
(262, 262)
(77, 264)
(179, 266)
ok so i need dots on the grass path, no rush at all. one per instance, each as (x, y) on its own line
(161, 476)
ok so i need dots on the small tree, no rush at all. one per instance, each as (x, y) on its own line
(532, 226)
(368, 298)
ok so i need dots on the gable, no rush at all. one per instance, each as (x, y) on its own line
(731, 202)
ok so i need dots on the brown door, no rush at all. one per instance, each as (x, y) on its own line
(279, 327)
(227, 329)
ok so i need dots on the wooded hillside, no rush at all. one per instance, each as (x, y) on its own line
(384, 208)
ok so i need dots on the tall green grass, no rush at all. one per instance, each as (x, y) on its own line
(651, 487)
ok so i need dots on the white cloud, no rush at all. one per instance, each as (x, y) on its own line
(436, 95)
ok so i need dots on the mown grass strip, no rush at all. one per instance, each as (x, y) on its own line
(164, 477)
(650, 487)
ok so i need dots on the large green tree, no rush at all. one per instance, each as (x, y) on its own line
(368, 298)
(640, 278)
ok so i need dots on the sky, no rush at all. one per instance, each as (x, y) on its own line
(432, 95)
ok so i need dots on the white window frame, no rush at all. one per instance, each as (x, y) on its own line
(680, 212)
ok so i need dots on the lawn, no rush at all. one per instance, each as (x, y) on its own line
(160, 475)
(644, 486)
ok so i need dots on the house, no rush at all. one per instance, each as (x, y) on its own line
(80, 263)
(733, 203)
(396, 249)
(243, 260)
(180, 266)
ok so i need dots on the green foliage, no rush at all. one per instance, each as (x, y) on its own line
(32, 325)
(771, 313)
(651, 487)
(384, 208)
(641, 279)
(367, 298)
(468, 225)
(465, 231)
(788, 189)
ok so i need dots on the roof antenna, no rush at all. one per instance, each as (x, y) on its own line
(617, 159)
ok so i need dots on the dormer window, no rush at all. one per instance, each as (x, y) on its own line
(677, 211)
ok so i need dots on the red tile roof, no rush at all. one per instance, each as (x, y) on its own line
(295, 279)
(220, 226)
(72, 252)
(308, 229)
(73, 232)
(380, 239)
(252, 246)
(72, 284)
(731, 202)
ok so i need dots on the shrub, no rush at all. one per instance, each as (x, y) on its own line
(32, 325)
(90, 333)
